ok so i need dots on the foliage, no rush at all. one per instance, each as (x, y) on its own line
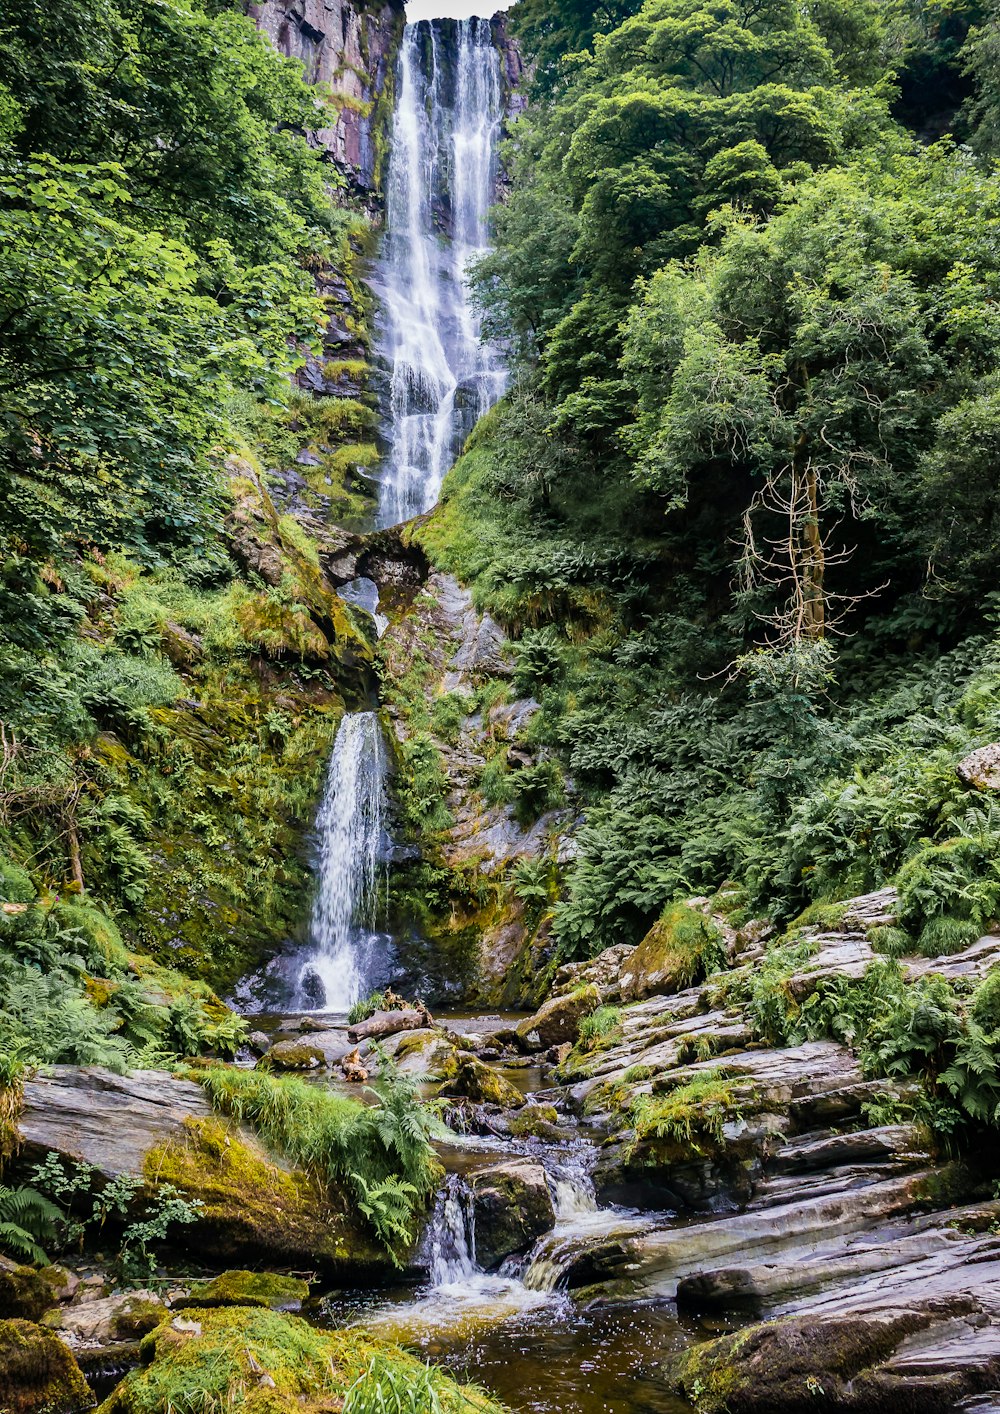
(81, 1206)
(27, 1219)
(693, 1114)
(386, 1387)
(600, 1029)
(380, 1152)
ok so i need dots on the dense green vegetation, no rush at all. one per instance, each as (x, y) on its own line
(738, 509)
(172, 665)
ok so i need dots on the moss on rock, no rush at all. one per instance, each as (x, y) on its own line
(786, 1366)
(483, 1084)
(682, 947)
(24, 1292)
(255, 1211)
(38, 1374)
(246, 1360)
(242, 1288)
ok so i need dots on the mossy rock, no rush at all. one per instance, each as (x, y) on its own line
(681, 948)
(785, 1366)
(241, 1288)
(535, 1122)
(255, 1211)
(137, 1317)
(247, 1360)
(558, 1020)
(38, 1374)
(481, 1083)
(295, 1054)
(25, 1293)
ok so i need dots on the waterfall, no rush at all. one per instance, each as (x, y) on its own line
(351, 834)
(441, 183)
(450, 1236)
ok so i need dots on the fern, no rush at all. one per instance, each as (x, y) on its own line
(27, 1219)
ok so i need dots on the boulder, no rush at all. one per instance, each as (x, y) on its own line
(38, 1374)
(108, 1321)
(112, 1121)
(981, 769)
(241, 1288)
(255, 1211)
(680, 948)
(483, 1084)
(24, 1292)
(603, 972)
(558, 1019)
(296, 1055)
(249, 1358)
(259, 1042)
(426, 1052)
(512, 1208)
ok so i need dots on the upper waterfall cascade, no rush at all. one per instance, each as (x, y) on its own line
(441, 184)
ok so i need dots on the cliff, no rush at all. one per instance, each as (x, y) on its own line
(351, 48)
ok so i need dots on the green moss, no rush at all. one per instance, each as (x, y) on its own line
(254, 1210)
(796, 1363)
(24, 1292)
(137, 1318)
(15, 883)
(483, 1084)
(682, 947)
(101, 932)
(218, 1368)
(689, 1119)
(40, 1375)
(535, 1122)
(242, 1288)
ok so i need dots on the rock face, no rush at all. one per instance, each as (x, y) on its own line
(112, 1121)
(511, 1208)
(981, 768)
(352, 48)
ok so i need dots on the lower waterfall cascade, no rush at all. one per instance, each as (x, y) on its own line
(352, 839)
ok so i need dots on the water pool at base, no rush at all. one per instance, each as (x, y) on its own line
(555, 1359)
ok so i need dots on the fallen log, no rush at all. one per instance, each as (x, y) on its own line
(387, 1023)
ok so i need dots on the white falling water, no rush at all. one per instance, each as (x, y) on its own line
(442, 181)
(350, 828)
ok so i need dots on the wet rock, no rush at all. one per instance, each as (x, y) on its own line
(558, 1019)
(512, 1208)
(38, 1374)
(296, 1055)
(427, 1052)
(107, 1321)
(259, 1042)
(242, 1288)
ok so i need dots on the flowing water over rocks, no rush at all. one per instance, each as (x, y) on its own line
(442, 181)
(351, 830)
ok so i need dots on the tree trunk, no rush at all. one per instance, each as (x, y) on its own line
(387, 1023)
